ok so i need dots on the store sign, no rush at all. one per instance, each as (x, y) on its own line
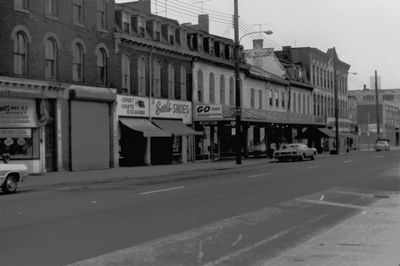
(17, 113)
(163, 108)
(208, 111)
(372, 128)
(15, 133)
(132, 106)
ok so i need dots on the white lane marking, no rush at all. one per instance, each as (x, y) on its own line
(322, 197)
(160, 190)
(257, 175)
(348, 161)
(333, 204)
(314, 166)
(237, 241)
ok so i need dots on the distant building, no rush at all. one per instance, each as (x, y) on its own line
(372, 82)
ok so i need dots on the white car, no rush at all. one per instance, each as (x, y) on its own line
(294, 151)
(382, 145)
(11, 175)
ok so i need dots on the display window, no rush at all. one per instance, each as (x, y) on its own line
(20, 143)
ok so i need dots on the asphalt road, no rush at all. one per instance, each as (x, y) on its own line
(227, 217)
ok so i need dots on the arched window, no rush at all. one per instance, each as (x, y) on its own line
(231, 92)
(77, 62)
(141, 76)
(20, 53)
(171, 82)
(126, 73)
(156, 79)
(102, 66)
(212, 88)
(51, 58)
(183, 83)
(222, 89)
(200, 86)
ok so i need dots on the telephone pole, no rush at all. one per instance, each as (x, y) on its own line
(377, 105)
(238, 109)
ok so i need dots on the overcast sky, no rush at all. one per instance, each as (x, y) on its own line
(365, 33)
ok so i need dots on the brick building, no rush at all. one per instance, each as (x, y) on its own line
(56, 67)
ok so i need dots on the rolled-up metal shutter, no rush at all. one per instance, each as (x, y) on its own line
(90, 135)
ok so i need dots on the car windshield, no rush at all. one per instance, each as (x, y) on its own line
(381, 143)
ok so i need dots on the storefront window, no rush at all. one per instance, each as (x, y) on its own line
(20, 143)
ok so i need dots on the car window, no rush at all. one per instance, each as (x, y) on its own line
(283, 147)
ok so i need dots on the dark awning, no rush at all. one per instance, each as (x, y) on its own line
(145, 126)
(327, 132)
(175, 127)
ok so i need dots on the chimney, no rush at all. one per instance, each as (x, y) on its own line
(141, 5)
(365, 87)
(203, 23)
(258, 44)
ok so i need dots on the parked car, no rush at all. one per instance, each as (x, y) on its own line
(11, 175)
(382, 145)
(294, 151)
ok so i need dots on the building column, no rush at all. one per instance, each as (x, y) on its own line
(147, 158)
(59, 135)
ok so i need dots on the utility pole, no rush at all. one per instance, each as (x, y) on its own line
(377, 104)
(238, 110)
(335, 82)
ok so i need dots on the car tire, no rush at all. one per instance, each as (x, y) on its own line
(312, 157)
(10, 185)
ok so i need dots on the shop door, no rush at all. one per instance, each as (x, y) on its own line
(50, 138)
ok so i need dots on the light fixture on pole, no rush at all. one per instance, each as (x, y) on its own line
(238, 109)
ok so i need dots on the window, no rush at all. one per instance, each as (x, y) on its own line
(276, 99)
(141, 76)
(222, 89)
(283, 99)
(299, 104)
(101, 14)
(157, 31)
(102, 66)
(51, 8)
(308, 104)
(271, 100)
(126, 72)
(252, 95)
(21, 4)
(24, 142)
(20, 53)
(171, 82)
(77, 62)
(77, 11)
(294, 102)
(304, 103)
(259, 99)
(51, 58)
(183, 83)
(141, 27)
(212, 88)
(126, 23)
(231, 92)
(200, 88)
(156, 79)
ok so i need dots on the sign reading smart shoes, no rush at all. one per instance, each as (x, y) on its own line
(208, 111)
(164, 108)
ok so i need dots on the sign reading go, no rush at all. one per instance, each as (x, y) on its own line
(208, 111)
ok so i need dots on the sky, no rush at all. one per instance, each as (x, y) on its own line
(365, 33)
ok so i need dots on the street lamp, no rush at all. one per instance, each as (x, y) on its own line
(238, 109)
(268, 32)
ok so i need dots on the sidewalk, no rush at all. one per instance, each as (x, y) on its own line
(142, 173)
(368, 239)
(136, 172)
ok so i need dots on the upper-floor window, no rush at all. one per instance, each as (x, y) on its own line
(157, 31)
(102, 66)
(294, 102)
(200, 86)
(101, 14)
(126, 72)
(126, 23)
(21, 4)
(222, 89)
(270, 96)
(141, 27)
(308, 104)
(276, 99)
(171, 82)
(171, 35)
(183, 83)
(77, 11)
(299, 103)
(212, 88)
(252, 96)
(77, 62)
(259, 99)
(51, 8)
(283, 99)
(304, 103)
(156, 79)
(141, 76)
(20, 53)
(231, 92)
(51, 58)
